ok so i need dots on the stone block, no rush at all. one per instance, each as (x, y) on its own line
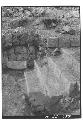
(75, 42)
(53, 42)
(20, 49)
(20, 57)
(64, 42)
(17, 64)
(12, 57)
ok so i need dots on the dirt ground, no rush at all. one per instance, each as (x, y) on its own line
(28, 92)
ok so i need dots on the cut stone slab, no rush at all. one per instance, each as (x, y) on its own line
(17, 64)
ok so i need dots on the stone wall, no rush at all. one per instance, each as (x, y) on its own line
(18, 56)
(64, 41)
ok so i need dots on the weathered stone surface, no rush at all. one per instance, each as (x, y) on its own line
(64, 42)
(17, 64)
(19, 53)
(38, 99)
(11, 51)
(21, 57)
(20, 49)
(12, 57)
(32, 49)
(75, 42)
(53, 42)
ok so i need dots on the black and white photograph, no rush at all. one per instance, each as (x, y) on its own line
(41, 62)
